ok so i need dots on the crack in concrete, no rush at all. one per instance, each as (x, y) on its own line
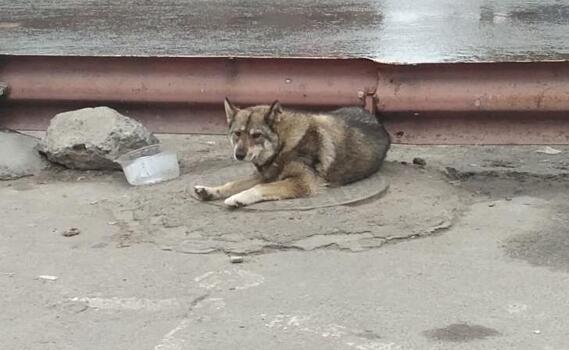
(272, 247)
(171, 341)
(196, 301)
(457, 174)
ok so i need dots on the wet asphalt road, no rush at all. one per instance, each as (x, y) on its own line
(387, 30)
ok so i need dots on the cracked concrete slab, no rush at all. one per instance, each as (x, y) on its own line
(452, 291)
(418, 203)
(491, 268)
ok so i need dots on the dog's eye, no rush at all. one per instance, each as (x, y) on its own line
(237, 133)
(256, 135)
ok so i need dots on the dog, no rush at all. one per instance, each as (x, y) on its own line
(296, 153)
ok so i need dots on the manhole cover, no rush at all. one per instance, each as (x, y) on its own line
(359, 192)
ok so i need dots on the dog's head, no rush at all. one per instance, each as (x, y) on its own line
(252, 131)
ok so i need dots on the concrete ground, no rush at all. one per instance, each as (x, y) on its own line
(470, 251)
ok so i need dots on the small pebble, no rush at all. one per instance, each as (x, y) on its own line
(74, 231)
(236, 259)
(491, 205)
(537, 331)
(419, 161)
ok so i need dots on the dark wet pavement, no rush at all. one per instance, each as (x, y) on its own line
(401, 31)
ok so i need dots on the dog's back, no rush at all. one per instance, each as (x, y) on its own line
(342, 146)
(360, 145)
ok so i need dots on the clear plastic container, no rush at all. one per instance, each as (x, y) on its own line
(149, 165)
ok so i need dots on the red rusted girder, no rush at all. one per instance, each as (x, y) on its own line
(518, 103)
(188, 80)
(474, 87)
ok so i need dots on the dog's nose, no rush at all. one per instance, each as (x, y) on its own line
(240, 155)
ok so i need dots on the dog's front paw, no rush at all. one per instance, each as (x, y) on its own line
(205, 193)
(233, 202)
(244, 198)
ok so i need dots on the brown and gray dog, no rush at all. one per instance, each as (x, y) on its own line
(296, 153)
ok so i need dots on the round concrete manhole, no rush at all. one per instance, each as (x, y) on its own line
(356, 193)
(361, 216)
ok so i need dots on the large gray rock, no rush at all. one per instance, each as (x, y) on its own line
(91, 138)
(19, 155)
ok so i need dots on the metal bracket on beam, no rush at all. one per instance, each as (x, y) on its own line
(369, 100)
(3, 88)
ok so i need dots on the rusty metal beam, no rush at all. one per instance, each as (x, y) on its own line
(518, 103)
(188, 80)
(493, 87)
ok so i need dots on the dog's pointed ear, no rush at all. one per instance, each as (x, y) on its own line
(273, 115)
(230, 111)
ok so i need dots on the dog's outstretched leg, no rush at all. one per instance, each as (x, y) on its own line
(229, 189)
(293, 187)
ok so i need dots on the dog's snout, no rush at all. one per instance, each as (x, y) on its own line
(240, 154)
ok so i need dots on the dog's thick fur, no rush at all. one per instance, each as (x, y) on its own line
(295, 152)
